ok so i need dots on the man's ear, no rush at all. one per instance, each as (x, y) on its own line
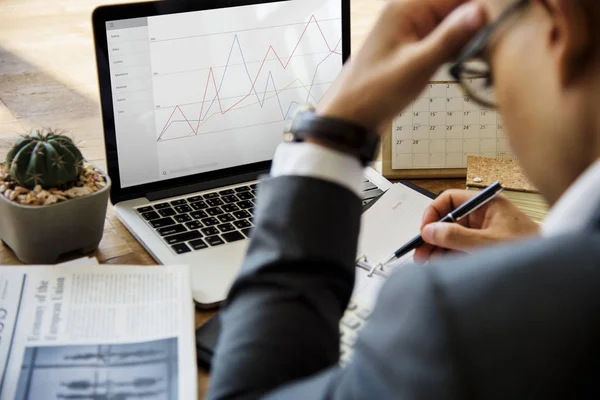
(571, 38)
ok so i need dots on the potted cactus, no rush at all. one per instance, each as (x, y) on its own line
(52, 201)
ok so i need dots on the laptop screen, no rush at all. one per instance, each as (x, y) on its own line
(202, 91)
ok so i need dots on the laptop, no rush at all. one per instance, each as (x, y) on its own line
(194, 98)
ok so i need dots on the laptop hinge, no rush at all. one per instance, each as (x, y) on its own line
(202, 186)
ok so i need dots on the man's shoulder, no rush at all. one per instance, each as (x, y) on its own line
(511, 312)
(537, 284)
(517, 267)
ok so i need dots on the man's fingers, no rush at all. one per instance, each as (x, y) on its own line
(445, 203)
(430, 216)
(452, 35)
(453, 236)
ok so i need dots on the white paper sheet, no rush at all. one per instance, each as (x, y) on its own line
(390, 223)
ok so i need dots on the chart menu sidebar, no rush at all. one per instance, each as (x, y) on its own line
(132, 91)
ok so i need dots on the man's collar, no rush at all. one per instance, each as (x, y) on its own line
(579, 207)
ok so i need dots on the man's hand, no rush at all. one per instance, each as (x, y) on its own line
(499, 220)
(411, 40)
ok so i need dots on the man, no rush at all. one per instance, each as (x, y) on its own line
(514, 320)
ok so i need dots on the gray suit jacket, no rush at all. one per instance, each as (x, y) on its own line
(520, 321)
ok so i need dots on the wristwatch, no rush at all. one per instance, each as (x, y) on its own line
(346, 136)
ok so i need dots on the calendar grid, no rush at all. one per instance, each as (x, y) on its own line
(442, 127)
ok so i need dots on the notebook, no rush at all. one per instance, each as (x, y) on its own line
(394, 220)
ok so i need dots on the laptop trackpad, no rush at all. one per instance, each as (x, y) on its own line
(217, 265)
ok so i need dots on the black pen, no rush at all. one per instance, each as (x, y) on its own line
(464, 210)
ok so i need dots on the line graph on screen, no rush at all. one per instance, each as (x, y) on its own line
(249, 78)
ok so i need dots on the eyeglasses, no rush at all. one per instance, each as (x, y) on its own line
(476, 77)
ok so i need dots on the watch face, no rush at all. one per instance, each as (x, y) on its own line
(300, 109)
(288, 136)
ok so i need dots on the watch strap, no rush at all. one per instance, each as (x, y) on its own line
(345, 135)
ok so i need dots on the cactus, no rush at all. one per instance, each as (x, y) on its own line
(44, 158)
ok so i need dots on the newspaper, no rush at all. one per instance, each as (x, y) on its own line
(82, 261)
(96, 333)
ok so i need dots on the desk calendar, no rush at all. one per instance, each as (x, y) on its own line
(440, 128)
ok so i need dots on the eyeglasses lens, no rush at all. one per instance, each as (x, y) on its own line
(477, 79)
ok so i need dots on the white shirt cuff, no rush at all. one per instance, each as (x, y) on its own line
(311, 160)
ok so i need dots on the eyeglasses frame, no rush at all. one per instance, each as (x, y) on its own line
(475, 49)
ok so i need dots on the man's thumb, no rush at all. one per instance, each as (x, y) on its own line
(453, 236)
(453, 33)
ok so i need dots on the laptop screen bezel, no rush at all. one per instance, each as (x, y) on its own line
(103, 14)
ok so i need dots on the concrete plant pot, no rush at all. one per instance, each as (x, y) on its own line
(41, 234)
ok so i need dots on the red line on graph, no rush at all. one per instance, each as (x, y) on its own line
(218, 99)
(169, 120)
(204, 98)
(181, 111)
(211, 73)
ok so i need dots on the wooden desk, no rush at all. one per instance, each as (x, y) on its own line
(48, 78)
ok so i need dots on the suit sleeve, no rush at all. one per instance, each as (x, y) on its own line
(280, 320)
(280, 336)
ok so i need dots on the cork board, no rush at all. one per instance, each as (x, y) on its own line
(490, 170)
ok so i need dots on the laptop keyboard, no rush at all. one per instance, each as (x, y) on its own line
(202, 221)
(212, 219)
(354, 318)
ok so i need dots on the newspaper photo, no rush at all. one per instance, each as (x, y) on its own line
(96, 333)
